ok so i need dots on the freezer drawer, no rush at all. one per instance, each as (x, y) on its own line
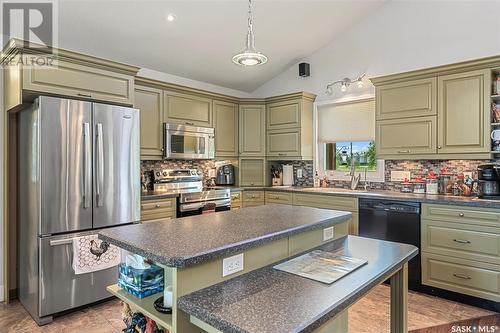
(60, 288)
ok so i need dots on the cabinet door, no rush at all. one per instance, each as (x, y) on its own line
(187, 109)
(252, 120)
(252, 171)
(463, 112)
(283, 143)
(150, 101)
(283, 114)
(226, 129)
(406, 136)
(406, 99)
(73, 80)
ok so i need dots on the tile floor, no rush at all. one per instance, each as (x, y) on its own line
(369, 315)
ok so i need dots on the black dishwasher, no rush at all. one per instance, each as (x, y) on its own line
(396, 221)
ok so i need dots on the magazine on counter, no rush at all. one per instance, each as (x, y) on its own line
(326, 267)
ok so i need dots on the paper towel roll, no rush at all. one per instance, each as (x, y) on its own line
(287, 175)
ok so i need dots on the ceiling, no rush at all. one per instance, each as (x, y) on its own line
(199, 44)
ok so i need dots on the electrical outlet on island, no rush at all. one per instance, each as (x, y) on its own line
(231, 265)
(328, 234)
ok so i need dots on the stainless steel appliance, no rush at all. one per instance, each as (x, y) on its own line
(188, 142)
(488, 181)
(225, 175)
(193, 199)
(79, 170)
(394, 221)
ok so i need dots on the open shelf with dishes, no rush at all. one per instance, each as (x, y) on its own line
(495, 111)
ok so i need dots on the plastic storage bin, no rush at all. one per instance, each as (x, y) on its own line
(141, 282)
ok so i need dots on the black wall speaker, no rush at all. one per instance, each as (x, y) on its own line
(304, 69)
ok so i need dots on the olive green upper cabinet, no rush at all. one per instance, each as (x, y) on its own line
(284, 114)
(406, 137)
(290, 127)
(252, 120)
(226, 129)
(406, 99)
(81, 81)
(181, 108)
(70, 74)
(150, 102)
(463, 112)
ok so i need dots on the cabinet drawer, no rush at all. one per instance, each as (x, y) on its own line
(326, 201)
(283, 143)
(73, 80)
(469, 215)
(249, 196)
(283, 115)
(278, 197)
(392, 136)
(462, 276)
(443, 238)
(253, 203)
(235, 198)
(406, 99)
(158, 216)
(168, 204)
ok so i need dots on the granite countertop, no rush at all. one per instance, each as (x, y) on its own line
(268, 300)
(371, 194)
(197, 239)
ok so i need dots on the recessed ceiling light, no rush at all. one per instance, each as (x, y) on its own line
(171, 17)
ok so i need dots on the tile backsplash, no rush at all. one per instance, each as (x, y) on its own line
(203, 165)
(416, 168)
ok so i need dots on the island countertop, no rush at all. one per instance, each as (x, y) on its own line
(269, 300)
(193, 240)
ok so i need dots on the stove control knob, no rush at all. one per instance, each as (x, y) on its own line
(165, 173)
(158, 173)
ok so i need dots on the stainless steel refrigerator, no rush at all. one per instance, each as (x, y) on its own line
(79, 170)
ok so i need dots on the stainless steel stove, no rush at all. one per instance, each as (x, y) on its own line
(193, 198)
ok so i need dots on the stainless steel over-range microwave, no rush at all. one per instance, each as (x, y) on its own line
(188, 142)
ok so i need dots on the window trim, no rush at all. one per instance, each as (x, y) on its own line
(318, 148)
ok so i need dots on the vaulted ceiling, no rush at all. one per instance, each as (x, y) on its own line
(200, 42)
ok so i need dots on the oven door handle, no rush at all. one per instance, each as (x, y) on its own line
(198, 205)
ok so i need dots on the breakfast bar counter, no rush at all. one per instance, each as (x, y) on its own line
(273, 301)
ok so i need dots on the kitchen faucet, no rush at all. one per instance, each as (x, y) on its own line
(354, 179)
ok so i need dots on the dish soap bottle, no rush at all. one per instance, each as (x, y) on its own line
(317, 181)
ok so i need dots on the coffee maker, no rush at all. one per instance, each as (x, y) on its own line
(225, 175)
(488, 176)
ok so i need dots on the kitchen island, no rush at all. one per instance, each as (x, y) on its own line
(191, 251)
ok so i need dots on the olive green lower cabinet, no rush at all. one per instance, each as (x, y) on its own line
(158, 210)
(349, 204)
(187, 280)
(461, 250)
(253, 198)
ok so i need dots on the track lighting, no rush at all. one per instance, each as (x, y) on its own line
(345, 83)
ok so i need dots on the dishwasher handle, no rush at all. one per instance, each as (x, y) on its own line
(390, 206)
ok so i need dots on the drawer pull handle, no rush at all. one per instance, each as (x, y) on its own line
(157, 205)
(84, 95)
(189, 123)
(461, 241)
(460, 276)
(461, 214)
(404, 151)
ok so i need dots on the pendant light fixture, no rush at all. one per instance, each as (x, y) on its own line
(250, 56)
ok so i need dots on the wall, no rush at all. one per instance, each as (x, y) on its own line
(170, 78)
(398, 37)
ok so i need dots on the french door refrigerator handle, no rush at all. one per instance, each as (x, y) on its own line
(99, 165)
(86, 166)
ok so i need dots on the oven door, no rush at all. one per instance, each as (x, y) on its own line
(188, 142)
(204, 207)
